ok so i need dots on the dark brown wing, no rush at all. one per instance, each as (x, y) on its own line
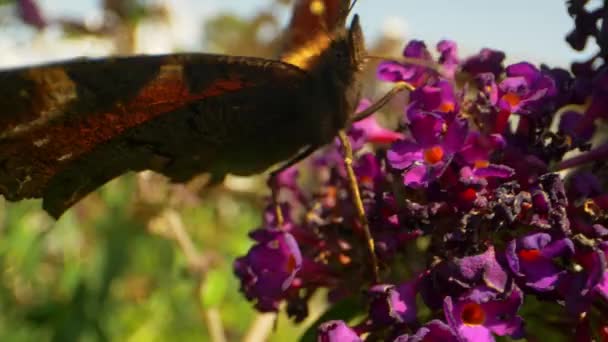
(67, 128)
(311, 26)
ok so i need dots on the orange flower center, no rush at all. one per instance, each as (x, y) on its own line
(479, 164)
(433, 154)
(512, 99)
(366, 180)
(529, 254)
(446, 107)
(473, 314)
(291, 264)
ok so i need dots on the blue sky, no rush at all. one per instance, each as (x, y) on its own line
(525, 29)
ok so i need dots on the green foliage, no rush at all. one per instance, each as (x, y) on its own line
(101, 273)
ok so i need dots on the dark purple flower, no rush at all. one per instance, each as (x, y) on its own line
(580, 285)
(479, 314)
(368, 170)
(584, 185)
(426, 158)
(461, 274)
(532, 258)
(569, 125)
(414, 74)
(337, 331)
(598, 108)
(390, 304)
(433, 331)
(487, 60)
(269, 267)
(602, 287)
(525, 89)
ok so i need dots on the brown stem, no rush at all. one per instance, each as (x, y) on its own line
(356, 197)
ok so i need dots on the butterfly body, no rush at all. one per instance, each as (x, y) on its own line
(74, 126)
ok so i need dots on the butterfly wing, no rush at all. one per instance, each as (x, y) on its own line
(67, 128)
(311, 27)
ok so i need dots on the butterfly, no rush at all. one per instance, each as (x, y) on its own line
(67, 128)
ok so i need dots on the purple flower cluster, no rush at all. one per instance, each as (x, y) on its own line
(476, 232)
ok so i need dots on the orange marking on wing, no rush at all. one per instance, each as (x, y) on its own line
(47, 150)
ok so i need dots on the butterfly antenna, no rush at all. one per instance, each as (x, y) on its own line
(352, 5)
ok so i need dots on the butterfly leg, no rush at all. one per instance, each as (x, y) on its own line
(356, 196)
(399, 87)
(273, 180)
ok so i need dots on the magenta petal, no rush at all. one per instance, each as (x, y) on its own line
(524, 69)
(502, 316)
(394, 72)
(493, 170)
(475, 333)
(516, 85)
(416, 176)
(426, 129)
(403, 153)
(602, 287)
(561, 247)
(336, 331)
(375, 133)
(416, 49)
(455, 136)
(448, 58)
(390, 304)
(434, 330)
(452, 313)
(426, 97)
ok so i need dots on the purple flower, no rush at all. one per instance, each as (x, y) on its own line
(448, 57)
(580, 285)
(487, 60)
(392, 304)
(368, 170)
(337, 331)
(584, 185)
(438, 98)
(525, 89)
(433, 331)
(269, 267)
(532, 258)
(426, 158)
(480, 313)
(479, 147)
(414, 74)
(476, 153)
(461, 274)
(569, 125)
(602, 287)
(598, 106)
